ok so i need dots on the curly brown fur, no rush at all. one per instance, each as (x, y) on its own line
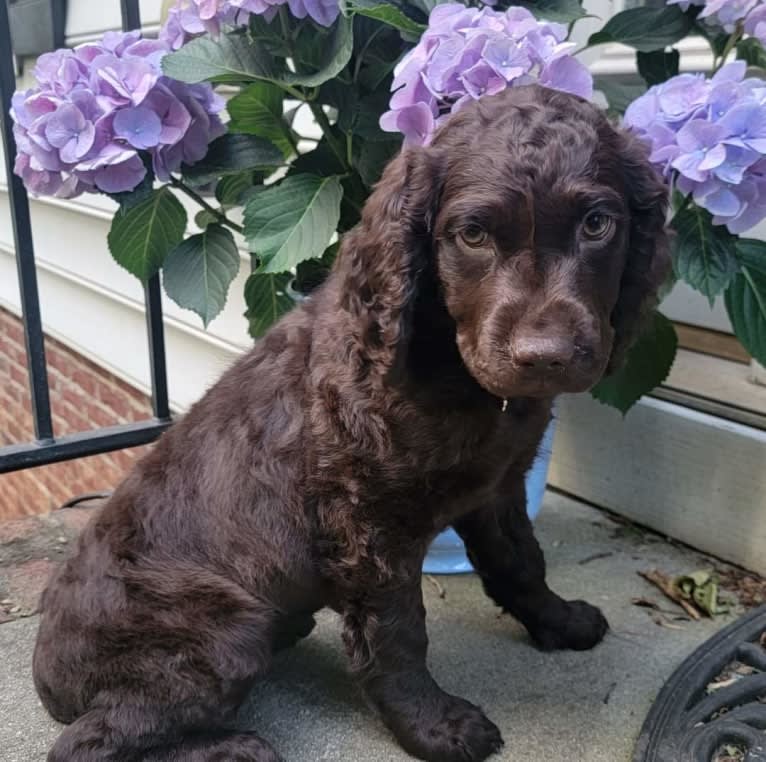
(318, 469)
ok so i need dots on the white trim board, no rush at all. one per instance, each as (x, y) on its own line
(691, 476)
(112, 332)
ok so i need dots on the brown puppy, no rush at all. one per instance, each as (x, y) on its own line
(509, 261)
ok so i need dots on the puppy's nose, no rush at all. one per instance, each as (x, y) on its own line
(542, 354)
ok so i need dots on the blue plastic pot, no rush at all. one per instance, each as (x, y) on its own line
(447, 553)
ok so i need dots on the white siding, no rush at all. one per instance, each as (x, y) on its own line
(84, 292)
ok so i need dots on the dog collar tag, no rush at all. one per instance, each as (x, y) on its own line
(504, 406)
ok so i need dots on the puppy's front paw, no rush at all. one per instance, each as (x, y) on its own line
(452, 731)
(576, 625)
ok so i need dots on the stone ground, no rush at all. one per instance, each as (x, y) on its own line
(563, 707)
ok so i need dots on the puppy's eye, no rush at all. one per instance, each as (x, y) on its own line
(597, 225)
(473, 236)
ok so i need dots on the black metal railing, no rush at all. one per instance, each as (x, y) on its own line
(47, 447)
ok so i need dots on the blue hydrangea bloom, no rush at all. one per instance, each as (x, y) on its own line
(709, 138)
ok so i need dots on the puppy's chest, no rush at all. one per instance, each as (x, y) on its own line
(456, 462)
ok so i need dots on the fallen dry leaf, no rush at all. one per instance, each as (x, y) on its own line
(730, 753)
(665, 584)
(713, 687)
(700, 588)
(749, 587)
(662, 621)
(646, 603)
(595, 557)
(442, 593)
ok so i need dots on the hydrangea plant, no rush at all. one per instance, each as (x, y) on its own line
(98, 108)
(139, 120)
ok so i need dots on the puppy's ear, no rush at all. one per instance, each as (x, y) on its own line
(382, 259)
(648, 259)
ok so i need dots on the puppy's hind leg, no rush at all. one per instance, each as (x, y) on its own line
(234, 747)
(97, 737)
(164, 680)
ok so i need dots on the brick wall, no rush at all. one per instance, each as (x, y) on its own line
(83, 397)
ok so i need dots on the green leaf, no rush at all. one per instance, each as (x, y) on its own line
(745, 298)
(618, 95)
(716, 38)
(230, 189)
(268, 35)
(373, 158)
(645, 29)
(388, 14)
(320, 161)
(231, 154)
(657, 66)
(311, 273)
(426, 6)
(198, 272)
(703, 254)
(232, 58)
(647, 365)
(142, 235)
(375, 72)
(263, 30)
(752, 52)
(327, 55)
(379, 48)
(361, 116)
(258, 110)
(562, 11)
(292, 221)
(203, 218)
(267, 300)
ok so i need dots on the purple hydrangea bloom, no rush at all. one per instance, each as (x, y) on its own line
(755, 23)
(708, 136)
(726, 14)
(467, 53)
(190, 18)
(97, 106)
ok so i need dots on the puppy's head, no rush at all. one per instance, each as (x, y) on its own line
(544, 226)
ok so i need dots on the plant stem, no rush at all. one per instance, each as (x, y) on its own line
(217, 213)
(291, 139)
(324, 124)
(363, 51)
(682, 208)
(284, 23)
(731, 43)
(293, 92)
(342, 152)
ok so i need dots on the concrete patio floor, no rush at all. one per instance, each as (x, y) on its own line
(562, 707)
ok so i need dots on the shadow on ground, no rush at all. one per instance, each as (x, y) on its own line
(564, 707)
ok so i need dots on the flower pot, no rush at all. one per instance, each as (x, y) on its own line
(447, 553)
